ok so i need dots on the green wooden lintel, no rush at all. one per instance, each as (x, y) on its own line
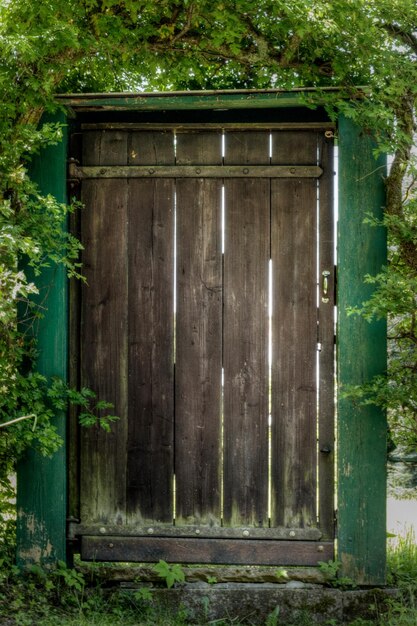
(216, 100)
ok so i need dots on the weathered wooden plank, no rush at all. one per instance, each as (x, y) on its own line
(104, 333)
(294, 338)
(199, 148)
(326, 435)
(298, 148)
(238, 551)
(245, 351)
(247, 148)
(151, 148)
(75, 150)
(361, 355)
(194, 171)
(150, 338)
(198, 337)
(108, 147)
(188, 530)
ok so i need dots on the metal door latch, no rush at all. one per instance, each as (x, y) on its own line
(325, 275)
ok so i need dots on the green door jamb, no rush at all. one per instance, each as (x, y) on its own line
(361, 354)
(42, 482)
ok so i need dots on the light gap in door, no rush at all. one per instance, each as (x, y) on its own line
(270, 312)
(318, 289)
(174, 313)
(223, 242)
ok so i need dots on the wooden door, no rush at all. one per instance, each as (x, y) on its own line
(207, 319)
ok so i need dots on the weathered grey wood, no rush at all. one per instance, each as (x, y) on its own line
(245, 552)
(108, 147)
(326, 442)
(188, 530)
(73, 443)
(151, 148)
(195, 171)
(247, 148)
(246, 339)
(199, 147)
(103, 329)
(198, 337)
(294, 148)
(73, 412)
(294, 338)
(198, 352)
(151, 335)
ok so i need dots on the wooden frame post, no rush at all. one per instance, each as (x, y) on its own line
(361, 354)
(42, 482)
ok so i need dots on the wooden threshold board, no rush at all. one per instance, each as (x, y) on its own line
(187, 550)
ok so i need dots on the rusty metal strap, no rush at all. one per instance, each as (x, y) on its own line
(277, 533)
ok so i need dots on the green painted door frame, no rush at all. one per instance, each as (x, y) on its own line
(361, 346)
(42, 481)
(361, 355)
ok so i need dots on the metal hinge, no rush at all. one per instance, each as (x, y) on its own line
(73, 178)
(72, 523)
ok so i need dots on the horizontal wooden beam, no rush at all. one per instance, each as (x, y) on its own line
(217, 532)
(195, 171)
(221, 551)
(182, 126)
(200, 100)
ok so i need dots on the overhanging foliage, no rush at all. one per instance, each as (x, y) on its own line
(102, 45)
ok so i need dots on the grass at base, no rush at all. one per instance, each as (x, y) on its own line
(65, 598)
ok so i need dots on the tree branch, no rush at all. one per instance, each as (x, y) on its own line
(17, 419)
(394, 182)
(405, 36)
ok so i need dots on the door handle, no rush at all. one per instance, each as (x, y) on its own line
(325, 286)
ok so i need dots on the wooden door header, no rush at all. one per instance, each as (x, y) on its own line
(192, 100)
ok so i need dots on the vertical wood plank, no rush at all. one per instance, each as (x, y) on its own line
(151, 367)
(247, 148)
(104, 331)
(106, 147)
(362, 429)
(75, 151)
(294, 336)
(198, 352)
(294, 147)
(199, 148)
(151, 334)
(151, 148)
(245, 350)
(326, 441)
(198, 336)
